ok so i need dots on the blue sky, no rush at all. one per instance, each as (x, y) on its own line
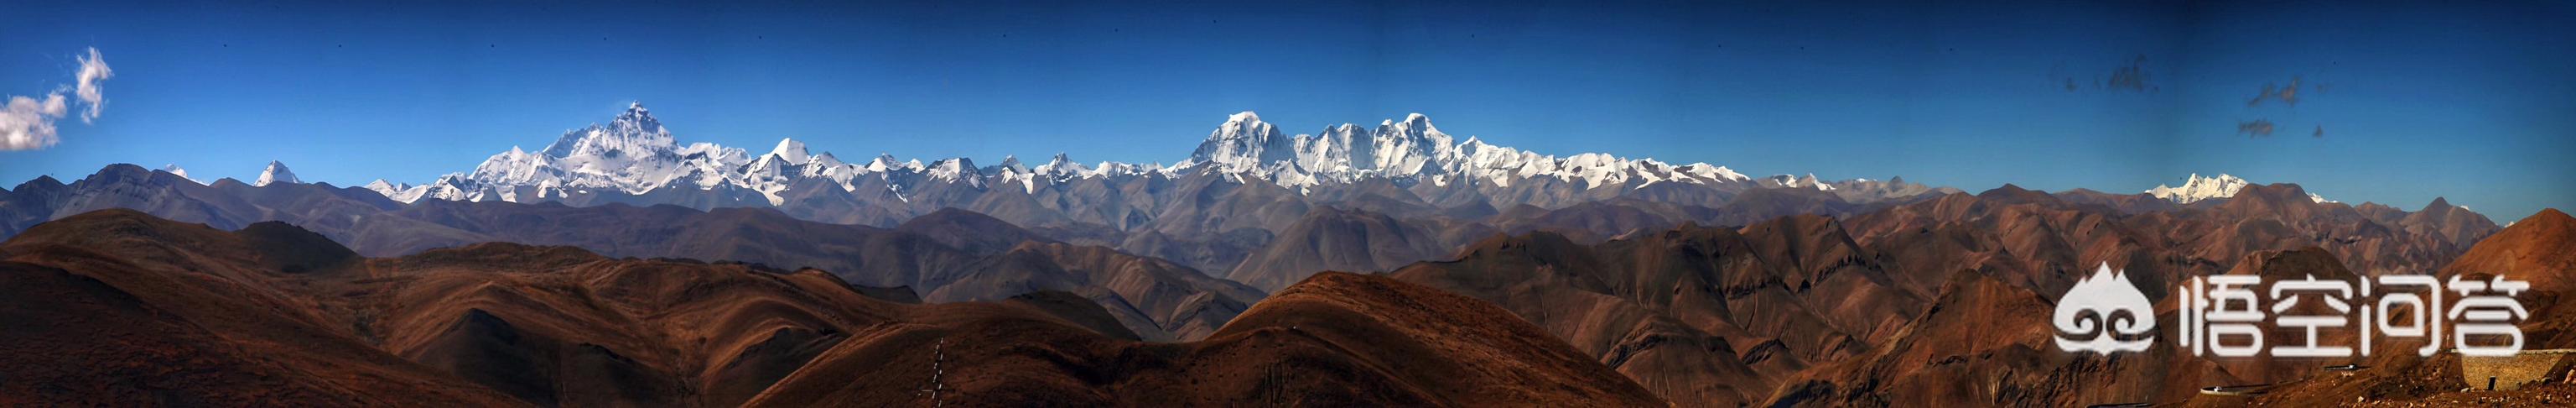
(2468, 101)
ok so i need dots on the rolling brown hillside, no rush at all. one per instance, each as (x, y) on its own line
(1336, 339)
(130, 309)
(1821, 310)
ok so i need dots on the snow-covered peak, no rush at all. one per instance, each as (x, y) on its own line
(1808, 181)
(883, 162)
(1243, 142)
(1061, 168)
(391, 189)
(631, 133)
(637, 120)
(1111, 168)
(824, 160)
(276, 173)
(2198, 188)
(1405, 147)
(887, 162)
(956, 169)
(517, 167)
(174, 169)
(791, 150)
(634, 154)
(1412, 150)
(1011, 163)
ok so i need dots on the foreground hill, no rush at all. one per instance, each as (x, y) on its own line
(2540, 249)
(1160, 300)
(950, 256)
(1888, 306)
(1335, 339)
(147, 311)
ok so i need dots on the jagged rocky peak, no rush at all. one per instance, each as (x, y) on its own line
(276, 173)
(2438, 205)
(638, 120)
(1061, 168)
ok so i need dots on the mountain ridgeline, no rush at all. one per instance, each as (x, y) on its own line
(1245, 184)
(617, 266)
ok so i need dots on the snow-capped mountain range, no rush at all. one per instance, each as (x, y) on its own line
(1414, 151)
(2196, 188)
(635, 154)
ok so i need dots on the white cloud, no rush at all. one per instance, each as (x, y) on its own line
(93, 69)
(28, 122)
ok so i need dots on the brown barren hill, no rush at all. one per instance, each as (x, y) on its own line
(122, 308)
(118, 308)
(1459, 349)
(2540, 249)
(1336, 339)
(1333, 239)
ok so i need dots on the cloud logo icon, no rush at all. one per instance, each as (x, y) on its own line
(2101, 309)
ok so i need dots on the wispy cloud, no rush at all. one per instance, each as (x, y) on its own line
(93, 70)
(2255, 128)
(2287, 95)
(2131, 76)
(27, 123)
